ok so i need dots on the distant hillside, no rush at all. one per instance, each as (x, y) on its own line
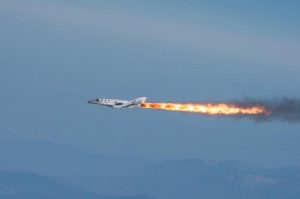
(62, 160)
(195, 179)
(18, 185)
(120, 176)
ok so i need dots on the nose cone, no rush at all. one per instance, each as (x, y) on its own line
(92, 101)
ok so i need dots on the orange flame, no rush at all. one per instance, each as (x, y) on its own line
(208, 108)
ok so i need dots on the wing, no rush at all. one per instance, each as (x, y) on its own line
(122, 104)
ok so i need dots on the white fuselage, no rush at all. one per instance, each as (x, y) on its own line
(117, 103)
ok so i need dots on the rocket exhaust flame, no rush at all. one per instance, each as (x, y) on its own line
(285, 109)
(209, 108)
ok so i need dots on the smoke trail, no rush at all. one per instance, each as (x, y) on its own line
(285, 109)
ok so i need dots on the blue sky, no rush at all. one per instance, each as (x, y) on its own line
(56, 55)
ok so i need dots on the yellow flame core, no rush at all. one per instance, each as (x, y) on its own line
(208, 108)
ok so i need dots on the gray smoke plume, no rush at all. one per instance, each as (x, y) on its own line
(285, 109)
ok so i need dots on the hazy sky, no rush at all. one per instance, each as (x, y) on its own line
(56, 55)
